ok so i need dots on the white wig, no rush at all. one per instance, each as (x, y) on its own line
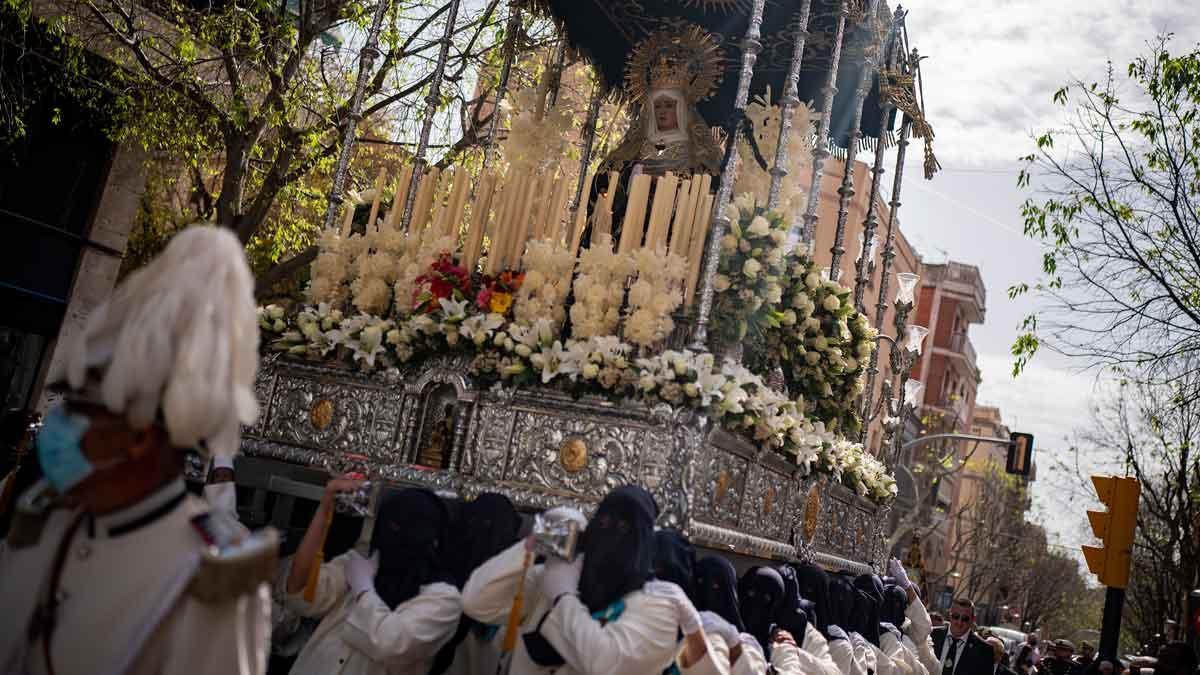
(178, 338)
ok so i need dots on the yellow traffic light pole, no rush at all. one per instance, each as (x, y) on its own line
(1115, 527)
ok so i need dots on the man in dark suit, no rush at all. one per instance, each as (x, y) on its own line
(958, 649)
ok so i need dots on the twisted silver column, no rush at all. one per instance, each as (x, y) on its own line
(431, 100)
(787, 106)
(366, 61)
(820, 149)
(720, 221)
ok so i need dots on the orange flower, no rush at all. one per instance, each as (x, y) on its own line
(500, 302)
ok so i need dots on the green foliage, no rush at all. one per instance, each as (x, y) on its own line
(1115, 212)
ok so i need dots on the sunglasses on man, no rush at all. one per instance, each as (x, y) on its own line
(954, 616)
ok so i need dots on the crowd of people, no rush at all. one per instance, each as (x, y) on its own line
(1060, 658)
(111, 566)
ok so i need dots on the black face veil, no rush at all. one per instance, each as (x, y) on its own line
(870, 588)
(792, 616)
(814, 587)
(716, 590)
(618, 547)
(895, 602)
(410, 531)
(760, 593)
(674, 559)
(484, 527)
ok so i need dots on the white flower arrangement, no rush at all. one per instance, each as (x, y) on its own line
(537, 137)
(599, 290)
(752, 178)
(823, 344)
(751, 272)
(657, 293)
(543, 292)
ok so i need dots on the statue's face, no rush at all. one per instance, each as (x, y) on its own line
(666, 114)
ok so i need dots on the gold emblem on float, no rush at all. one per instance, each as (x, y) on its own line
(573, 455)
(320, 415)
(722, 486)
(812, 510)
(768, 501)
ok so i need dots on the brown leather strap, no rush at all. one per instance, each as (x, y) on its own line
(45, 617)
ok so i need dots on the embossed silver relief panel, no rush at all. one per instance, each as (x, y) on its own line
(543, 448)
(334, 416)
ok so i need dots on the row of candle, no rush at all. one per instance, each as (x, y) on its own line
(511, 209)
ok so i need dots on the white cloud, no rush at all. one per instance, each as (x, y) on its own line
(993, 66)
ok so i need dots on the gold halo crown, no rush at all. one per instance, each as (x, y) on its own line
(686, 58)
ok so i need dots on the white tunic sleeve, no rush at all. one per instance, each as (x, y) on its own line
(843, 657)
(891, 646)
(714, 662)
(227, 638)
(883, 663)
(814, 655)
(786, 659)
(914, 658)
(488, 594)
(641, 640)
(331, 588)
(918, 628)
(411, 633)
(752, 660)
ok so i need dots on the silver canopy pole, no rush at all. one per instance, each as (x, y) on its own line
(366, 61)
(431, 100)
(787, 107)
(720, 221)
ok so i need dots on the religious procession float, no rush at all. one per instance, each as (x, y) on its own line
(551, 328)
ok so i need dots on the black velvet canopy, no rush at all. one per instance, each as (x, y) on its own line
(606, 32)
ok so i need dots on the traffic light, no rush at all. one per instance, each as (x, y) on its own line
(1020, 454)
(1115, 528)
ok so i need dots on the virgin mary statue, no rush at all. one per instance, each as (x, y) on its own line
(668, 74)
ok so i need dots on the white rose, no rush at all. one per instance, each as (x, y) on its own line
(393, 336)
(336, 315)
(524, 351)
(831, 303)
(812, 358)
(691, 390)
(729, 243)
(759, 226)
(275, 311)
(680, 367)
(812, 280)
(371, 337)
(788, 318)
(279, 326)
(751, 268)
(721, 283)
(590, 371)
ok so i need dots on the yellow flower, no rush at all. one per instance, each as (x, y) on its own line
(500, 302)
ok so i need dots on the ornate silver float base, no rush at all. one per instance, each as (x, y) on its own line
(433, 426)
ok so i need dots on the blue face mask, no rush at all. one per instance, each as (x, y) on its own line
(60, 450)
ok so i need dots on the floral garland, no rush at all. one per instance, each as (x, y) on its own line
(823, 344)
(750, 275)
(514, 354)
